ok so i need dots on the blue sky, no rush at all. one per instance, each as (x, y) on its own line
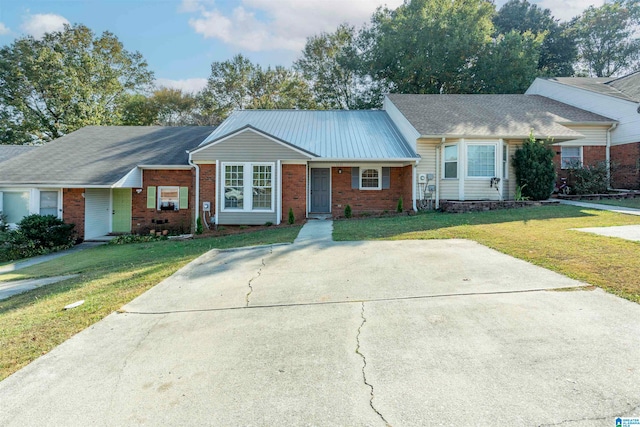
(181, 38)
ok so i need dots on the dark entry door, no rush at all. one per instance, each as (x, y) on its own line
(320, 191)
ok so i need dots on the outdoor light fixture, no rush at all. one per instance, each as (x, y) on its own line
(339, 170)
(138, 190)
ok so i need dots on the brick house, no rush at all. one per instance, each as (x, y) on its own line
(618, 98)
(260, 164)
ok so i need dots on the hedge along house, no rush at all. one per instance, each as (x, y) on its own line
(259, 164)
(618, 98)
(466, 142)
(106, 179)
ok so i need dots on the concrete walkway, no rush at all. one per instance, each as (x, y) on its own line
(315, 231)
(618, 209)
(44, 258)
(8, 289)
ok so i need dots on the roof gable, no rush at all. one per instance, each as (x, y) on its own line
(625, 87)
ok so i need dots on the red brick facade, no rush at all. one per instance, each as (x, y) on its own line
(294, 191)
(73, 209)
(625, 161)
(591, 155)
(208, 190)
(362, 201)
(143, 219)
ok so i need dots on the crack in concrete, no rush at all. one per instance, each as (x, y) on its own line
(248, 296)
(364, 367)
(610, 417)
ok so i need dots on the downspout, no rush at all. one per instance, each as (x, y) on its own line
(438, 158)
(413, 185)
(608, 153)
(196, 211)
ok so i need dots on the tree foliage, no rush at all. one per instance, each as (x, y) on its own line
(66, 80)
(535, 172)
(608, 38)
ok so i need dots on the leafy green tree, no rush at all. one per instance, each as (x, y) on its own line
(535, 172)
(238, 84)
(429, 46)
(558, 50)
(66, 80)
(508, 64)
(608, 39)
(138, 110)
(174, 107)
(332, 64)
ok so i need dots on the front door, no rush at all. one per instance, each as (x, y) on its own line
(320, 190)
(121, 210)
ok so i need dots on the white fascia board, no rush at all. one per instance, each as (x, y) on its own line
(257, 132)
(533, 90)
(166, 167)
(55, 185)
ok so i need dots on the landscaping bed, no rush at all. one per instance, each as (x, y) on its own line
(454, 206)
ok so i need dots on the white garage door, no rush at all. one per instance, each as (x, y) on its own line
(97, 215)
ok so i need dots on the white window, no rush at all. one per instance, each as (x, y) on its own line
(49, 203)
(505, 161)
(15, 205)
(253, 179)
(451, 161)
(481, 161)
(370, 179)
(262, 187)
(168, 198)
(571, 157)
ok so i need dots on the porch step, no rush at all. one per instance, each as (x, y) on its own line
(320, 216)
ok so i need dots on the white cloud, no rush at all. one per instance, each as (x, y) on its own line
(39, 24)
(186, 85)
(564, 10)
(4, 29)
(263, 25)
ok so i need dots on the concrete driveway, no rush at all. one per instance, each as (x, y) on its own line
(408, 333)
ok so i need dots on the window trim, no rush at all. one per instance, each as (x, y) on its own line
(444, 161)
(580, 150)
(505, 160)
(159, 197)
(467, 157)
(376, 168)
(247, 186)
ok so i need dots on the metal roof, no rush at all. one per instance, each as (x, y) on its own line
(494, 116)
(102, 155)
(329, 134)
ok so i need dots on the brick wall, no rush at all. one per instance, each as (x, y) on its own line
(143, 219)
(208, 189)
(370, 200)
(73, 209)
(590, 156)
(626, 168)
(294, 191)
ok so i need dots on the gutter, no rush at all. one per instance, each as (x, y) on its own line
(438, 158)
(608, 153)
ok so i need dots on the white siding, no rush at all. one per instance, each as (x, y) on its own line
(449, 189)
(625, 112)
(97, 212)
(593, 136)
(479, 189)
(510, 187)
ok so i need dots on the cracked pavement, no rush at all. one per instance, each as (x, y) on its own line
(407, 333)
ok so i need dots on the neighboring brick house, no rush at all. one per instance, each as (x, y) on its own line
(618, 98)
(260, 164)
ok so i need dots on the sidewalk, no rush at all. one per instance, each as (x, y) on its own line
(618, 209)
(315, 231)
(44, 258)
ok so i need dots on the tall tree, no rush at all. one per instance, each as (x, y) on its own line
(332, 63)
(608, 38)
(429, 46)
(67, 80)
(238, 84)
(558, 51)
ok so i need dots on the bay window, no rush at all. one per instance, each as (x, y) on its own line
(481, 160)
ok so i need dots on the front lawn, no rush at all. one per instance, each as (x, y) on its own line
(540, 235)
(627, 203)
(33, 323)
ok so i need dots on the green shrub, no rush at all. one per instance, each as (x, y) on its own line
(590, 179)
(46, 231)
(135, 238)
(399, 208)
(268, 224)
(347, 211)
(292, 218)
(535, 172)
(199, 228)
(4, 226)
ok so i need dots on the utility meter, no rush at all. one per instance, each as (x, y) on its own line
(206, 206)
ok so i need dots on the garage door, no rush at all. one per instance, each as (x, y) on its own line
(97, 215)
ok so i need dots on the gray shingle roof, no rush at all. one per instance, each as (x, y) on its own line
(333, 134)
(101, 155)
(10, 151)
(496, 116)
(626, 87)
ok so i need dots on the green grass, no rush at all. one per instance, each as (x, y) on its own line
(33, 323)
(540, 235)
(627, 203)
